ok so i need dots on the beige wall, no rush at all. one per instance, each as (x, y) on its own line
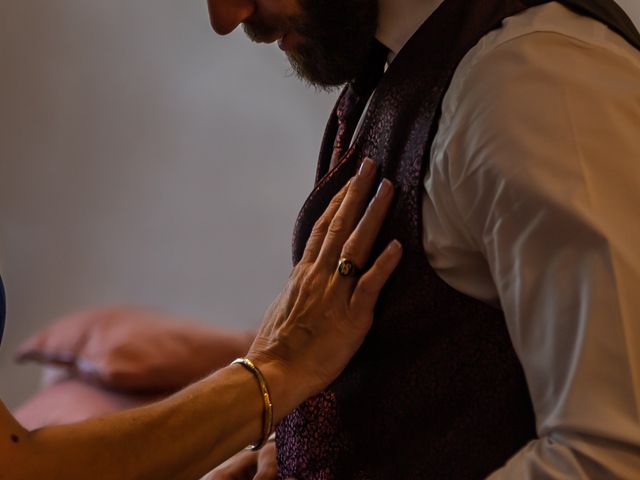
(145, 160)
(633, 9)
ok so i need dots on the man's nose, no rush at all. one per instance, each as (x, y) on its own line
(226, 15)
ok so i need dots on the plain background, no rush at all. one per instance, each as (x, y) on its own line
(145, 160)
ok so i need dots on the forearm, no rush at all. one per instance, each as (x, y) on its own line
(309, 334)
(181, 437)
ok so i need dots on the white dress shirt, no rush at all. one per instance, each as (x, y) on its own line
(532, 204)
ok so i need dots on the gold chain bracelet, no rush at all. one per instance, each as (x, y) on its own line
(267, 416)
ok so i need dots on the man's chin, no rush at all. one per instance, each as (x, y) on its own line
(312, 77)
(322, 71)
(330, 42)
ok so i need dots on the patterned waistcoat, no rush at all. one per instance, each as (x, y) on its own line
(436, 391)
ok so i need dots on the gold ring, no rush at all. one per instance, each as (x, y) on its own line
(346, 268)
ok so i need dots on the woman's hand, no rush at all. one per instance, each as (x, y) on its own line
(320, 319)
(248, 465)
(308, 336)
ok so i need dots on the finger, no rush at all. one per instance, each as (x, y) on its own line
(348, 214)
(267, 463)
(270, 473)
(242, 466)
(358, 246)
(370, 284)
(267, 472)
(314, 243)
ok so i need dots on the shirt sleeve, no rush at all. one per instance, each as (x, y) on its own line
(544, 169)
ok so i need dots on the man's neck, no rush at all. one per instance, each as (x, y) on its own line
(400, 19)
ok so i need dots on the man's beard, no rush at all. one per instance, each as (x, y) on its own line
(336, 39)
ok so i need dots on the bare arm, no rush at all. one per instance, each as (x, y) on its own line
(307, 337)
(181, 437)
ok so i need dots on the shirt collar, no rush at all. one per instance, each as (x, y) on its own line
(400, 19)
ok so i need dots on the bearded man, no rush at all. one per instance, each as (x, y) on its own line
(506, 344)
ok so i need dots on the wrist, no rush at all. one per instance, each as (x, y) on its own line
(287, 389)
(265, 393)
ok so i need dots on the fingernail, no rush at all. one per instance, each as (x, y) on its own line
(367, 167)
(395, 246)
(384, 188)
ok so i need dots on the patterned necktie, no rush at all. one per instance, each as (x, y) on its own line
(355, 98)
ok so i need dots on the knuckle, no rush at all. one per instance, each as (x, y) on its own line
(338, 226)
(320, 226)
(337, 200)
(314, 240)
(365, 289)
(371, 284)
(338, 197)
(305, 262)
(333, 206)
(349, 249)
(299, 271)
(306, 288)
(379, 272)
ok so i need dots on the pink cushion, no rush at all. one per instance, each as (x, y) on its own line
(72, 400)
(135, 349)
